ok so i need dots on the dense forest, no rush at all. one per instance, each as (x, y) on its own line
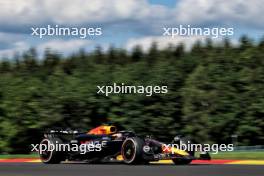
(214, 91)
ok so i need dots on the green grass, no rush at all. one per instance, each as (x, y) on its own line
(18, 156)
(254, 155)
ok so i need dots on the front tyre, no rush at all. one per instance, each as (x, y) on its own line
(49, 156)
(182, 161)
(132, 151)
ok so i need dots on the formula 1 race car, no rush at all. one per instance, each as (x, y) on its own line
(106, 144)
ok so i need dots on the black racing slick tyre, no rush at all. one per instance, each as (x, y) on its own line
(50, 156)
(132, 151)
(182, 161)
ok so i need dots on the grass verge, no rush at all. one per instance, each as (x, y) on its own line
(7, 156)
(243, 155)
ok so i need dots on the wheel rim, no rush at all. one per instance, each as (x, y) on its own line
(45, 155)
(129, 151)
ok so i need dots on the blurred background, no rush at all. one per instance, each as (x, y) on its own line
(215, 87)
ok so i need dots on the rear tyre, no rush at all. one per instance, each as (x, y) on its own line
(50, 156)
(132, 151)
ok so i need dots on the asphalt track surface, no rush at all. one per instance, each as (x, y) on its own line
(66, 169)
